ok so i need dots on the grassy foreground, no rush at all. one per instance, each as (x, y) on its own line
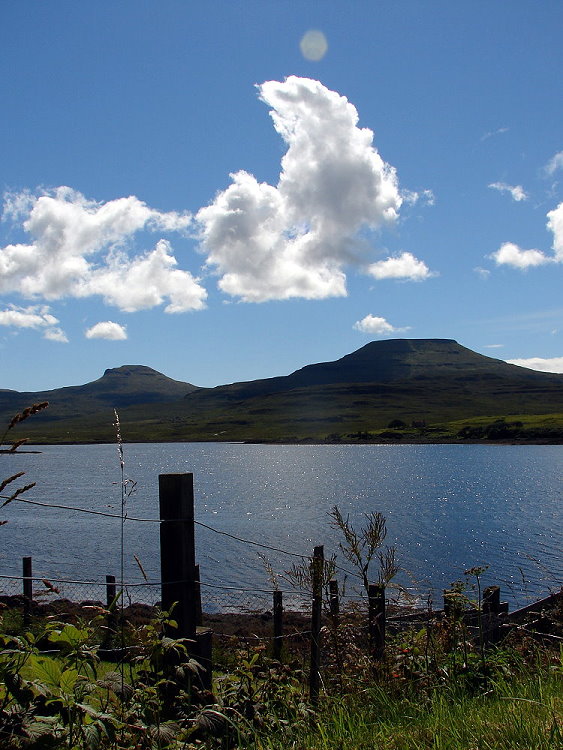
(523, 712)
(435, 689)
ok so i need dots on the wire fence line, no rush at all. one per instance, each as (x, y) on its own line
(214, 596)
(125, 517)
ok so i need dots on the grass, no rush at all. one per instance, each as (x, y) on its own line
(525, 713)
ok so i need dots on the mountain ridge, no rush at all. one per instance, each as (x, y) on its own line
(414, 381)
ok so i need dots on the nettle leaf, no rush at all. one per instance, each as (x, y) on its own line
(68, 681)
(165, 732)
(70, 635)
(41, 726)
(212, 721)
(114, 681)
(92, 736)
(45, 670)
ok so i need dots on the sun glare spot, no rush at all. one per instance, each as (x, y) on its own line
(313, 45)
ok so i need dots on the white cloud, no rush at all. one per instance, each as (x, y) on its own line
(413, 196)
(56, 334)
(492, 133)
(378, 326)
(144, 282)
(107, 329)
(36, 317)
(77, 249)
(555, 364)
(516, 191)
(404, 266)
(494, 346)
(484, 273)
(512, 255)
(555, 163)
(27, 317)
(555, 225)
(294, 239)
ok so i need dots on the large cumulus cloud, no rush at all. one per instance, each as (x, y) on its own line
(295, 239)
(78, 248)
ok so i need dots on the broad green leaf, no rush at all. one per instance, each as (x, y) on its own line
(68, 681)
(45, 670)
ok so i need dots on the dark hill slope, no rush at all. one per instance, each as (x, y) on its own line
(117, 388)
(393, 361)
(414, 380)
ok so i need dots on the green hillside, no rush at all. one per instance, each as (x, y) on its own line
(428, 382)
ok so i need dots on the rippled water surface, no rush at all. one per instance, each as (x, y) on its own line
(448, 508)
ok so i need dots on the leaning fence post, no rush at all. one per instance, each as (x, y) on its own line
(27, 589)
(278, 624)
(317, 576)
(376, 619)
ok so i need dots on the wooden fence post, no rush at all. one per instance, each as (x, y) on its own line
(315, 664)
(178, 568)
(491, 600)
(111, 593)
(198, 610)
(278, 624)
(27, 589)
(177, 551)
(334, 600)
(111, 590)
(376, 619)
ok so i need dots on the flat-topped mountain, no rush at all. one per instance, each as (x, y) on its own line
(391, 361)
(118, 387)
(407, 381)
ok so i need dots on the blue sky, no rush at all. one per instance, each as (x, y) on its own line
(195, 188)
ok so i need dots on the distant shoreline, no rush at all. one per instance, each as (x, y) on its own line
(305, 441)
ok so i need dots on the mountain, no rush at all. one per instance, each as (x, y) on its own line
(392, 361)
(117, 388)
(410, 381)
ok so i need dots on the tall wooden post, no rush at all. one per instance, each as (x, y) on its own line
(198, 609)
(177, 551)
(334, 600)
(376, 602)
(315, 664)
(111, 590)
(111, 593)
(491, 600)
(27, 589)
(278, 624)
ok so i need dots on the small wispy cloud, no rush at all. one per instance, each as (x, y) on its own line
(108, 330)
(404, 266)
(484, 273)
(554, 164)
(516, 191)
(494, 346)
(377, 326)
(35, 317)
(492, 133)
(56, 334)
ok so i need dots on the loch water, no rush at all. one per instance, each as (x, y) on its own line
(448, 508)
